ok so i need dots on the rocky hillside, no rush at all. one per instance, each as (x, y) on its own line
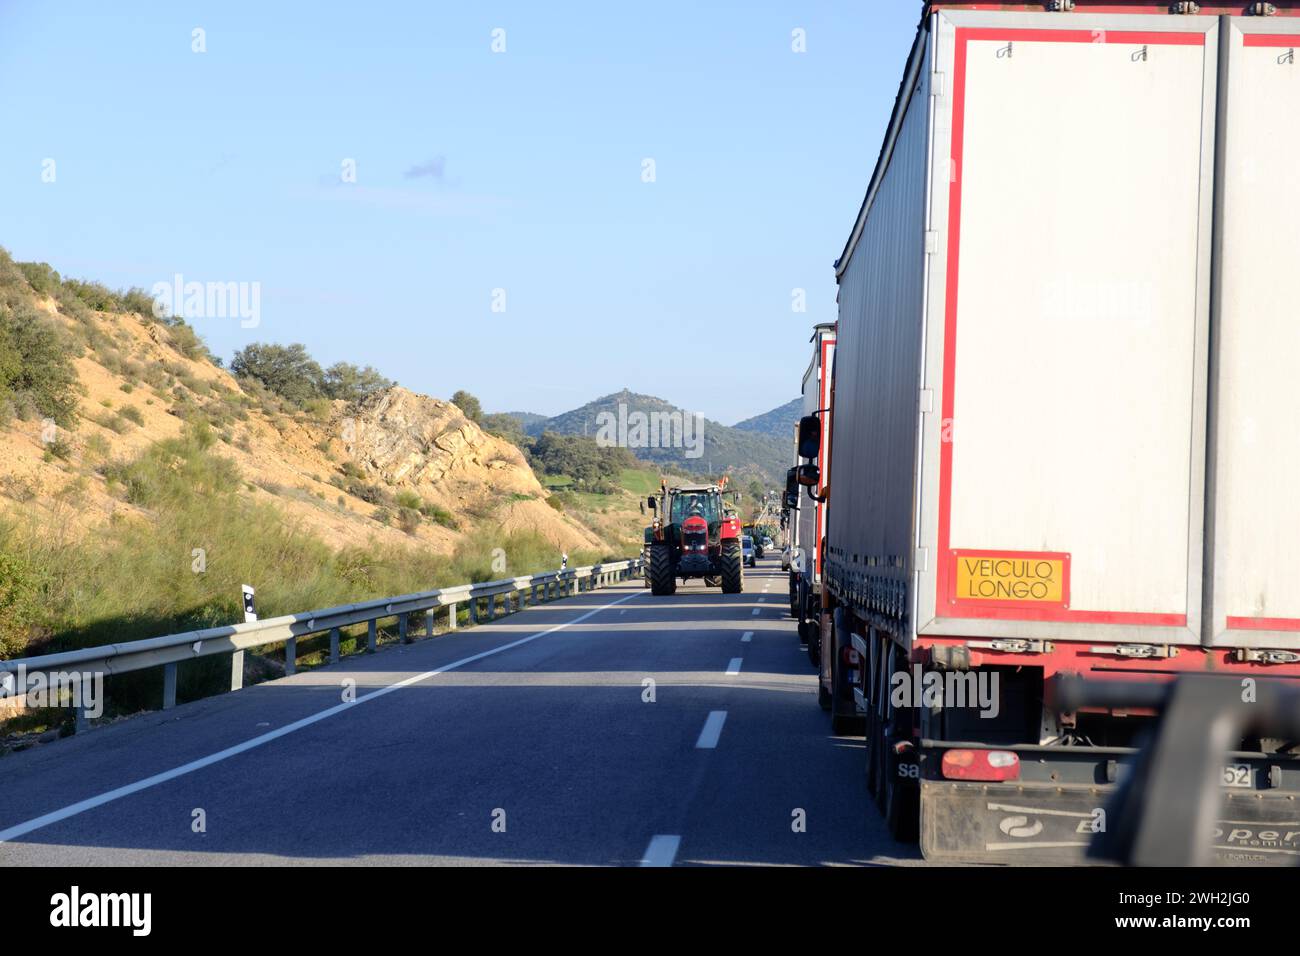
(398, 468)
(717, 449)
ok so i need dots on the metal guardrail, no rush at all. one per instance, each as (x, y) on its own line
(169, 651)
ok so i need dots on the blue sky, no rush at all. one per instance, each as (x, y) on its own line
(475, 171)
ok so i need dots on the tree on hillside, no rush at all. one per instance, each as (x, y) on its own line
(352, 384)
(287, 370)
(505, 426)
(580, 457)
(468, 404)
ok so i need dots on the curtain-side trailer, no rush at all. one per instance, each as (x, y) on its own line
(1063, 438)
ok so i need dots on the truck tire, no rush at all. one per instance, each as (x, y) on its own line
(842, 724)
(823, 697)
(902, 810)
(733, 568)
(662, 580)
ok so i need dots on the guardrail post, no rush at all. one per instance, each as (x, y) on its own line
(169, 686)
(428, 622)
(334, 645)
(403, 626)
(81, 719)
(290, 657)
(451, 616)
(473, 610)
(237, 670)
(372, 635)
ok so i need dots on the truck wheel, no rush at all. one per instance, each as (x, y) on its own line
(823, 696)
(662, 580)
(733, 568)
(902, 808)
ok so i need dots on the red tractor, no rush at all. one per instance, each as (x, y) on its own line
(694, 536)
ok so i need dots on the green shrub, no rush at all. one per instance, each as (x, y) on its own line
(131, 413)
(35, 367)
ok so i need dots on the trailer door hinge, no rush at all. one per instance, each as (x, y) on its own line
(1142, 651)
(931, 242)
(1060, 6)
(1014, 646)
(1185, 7)
(1267, 656)
(927, 401)
(922, 559)
(936, 84)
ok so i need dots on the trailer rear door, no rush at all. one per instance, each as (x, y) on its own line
(1255, 509)
(1074, 331)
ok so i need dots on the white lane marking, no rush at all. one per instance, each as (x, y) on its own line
(661, 851)
(712, 730)
(755, 612)
(761, 600)
(747, 636)
(734, 667)
(90, 803)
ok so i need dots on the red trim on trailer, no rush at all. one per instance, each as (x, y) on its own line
(1263, 623)
(1152, 37)
(1073, 657)
(1271, 39)
(943, 575)
(823, 401)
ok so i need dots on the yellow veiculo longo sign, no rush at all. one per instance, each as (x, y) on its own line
(1008, 577)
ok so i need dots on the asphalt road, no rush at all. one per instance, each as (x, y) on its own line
(528, 741)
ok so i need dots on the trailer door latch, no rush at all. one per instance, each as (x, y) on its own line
(1267, 656)
(1139, 651)
(1013, 646)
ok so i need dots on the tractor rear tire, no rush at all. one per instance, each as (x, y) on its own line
(733, 568)
(663, 581)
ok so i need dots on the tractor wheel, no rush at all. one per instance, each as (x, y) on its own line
(662, 579)
(733, 568)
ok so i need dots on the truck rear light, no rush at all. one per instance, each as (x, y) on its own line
(981, 765)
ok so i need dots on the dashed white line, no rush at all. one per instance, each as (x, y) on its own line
(734, 667)
(747, 636)
(755, 612)
(90, 803)
(712, 730)
(661, 851)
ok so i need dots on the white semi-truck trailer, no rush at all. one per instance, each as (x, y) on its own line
(810, 518)
(1064, 431)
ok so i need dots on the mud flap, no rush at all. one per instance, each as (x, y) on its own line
(1038, 825)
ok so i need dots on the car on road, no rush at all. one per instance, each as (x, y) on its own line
(785, 559)
(747, 551)
(767, 544)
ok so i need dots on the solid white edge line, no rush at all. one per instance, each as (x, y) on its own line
(90, 803)
(661, 851)
(708, 739)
